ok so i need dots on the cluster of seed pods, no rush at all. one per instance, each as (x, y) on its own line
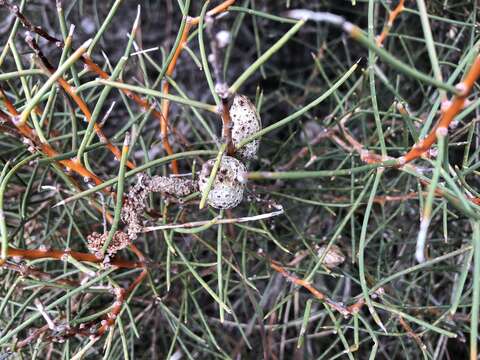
(229, 184)
(226, 191)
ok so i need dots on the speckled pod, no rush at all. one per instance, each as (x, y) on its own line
(333, 257)
(227, 189)
(245, 122)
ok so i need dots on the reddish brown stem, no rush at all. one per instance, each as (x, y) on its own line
(121, 294)
(143, 103)
(165, 105)
(78, 100)
(171, 67)
(46, 148)
(62, 254)
(448, 115)
(314, 291)
(215, 11)
(324, 133)
(388, 25)
(88, 115)
(27, 271)
(406, 326)
(227, 127)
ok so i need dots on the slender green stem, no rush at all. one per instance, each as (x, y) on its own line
(432, 53)
(265, 56)
(120, 189)
(175, 46)
(371, 78)
(460, 283)
(295, 175)
(262, 14)
(341, 226)
(3, 220)
(213, 174)
(113, 9)
(219, 267)
(361, 251)
(5, 178)
(138, 169)
(14, 31)
(203, 56)
(51, 80)
(154, 93)
(21, 73)
(26, 89)
(202, 282)
(421, 266)
(300, 112)
(474, 314)
(427, 210)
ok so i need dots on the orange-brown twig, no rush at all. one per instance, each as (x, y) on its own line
(78, 100)
(370, 157)
(121, 294)
(447, 116)
(215, 11)
(406, 326)
(227, 128)
(305, 284)
(27, 271)
(88, 115)
(165, 106)
(143, 103)
(46, 148)
(29, 135)
(62, 254)
(391, 18)
(465, 87)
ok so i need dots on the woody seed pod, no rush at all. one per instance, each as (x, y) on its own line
(227, 189)
(245, 122)
(334, 256)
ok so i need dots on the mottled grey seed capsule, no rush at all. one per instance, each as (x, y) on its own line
(334, 256)
(245, 122)
(227, 189)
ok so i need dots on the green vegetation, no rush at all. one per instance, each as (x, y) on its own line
(358, 236)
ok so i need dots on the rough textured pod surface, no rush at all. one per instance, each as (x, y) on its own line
(334, 256)
(119, 241)
(227, 189)
(245, 122)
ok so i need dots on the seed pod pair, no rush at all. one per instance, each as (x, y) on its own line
(227, 189)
